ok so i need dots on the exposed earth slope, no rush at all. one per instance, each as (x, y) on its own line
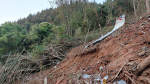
(121, 56)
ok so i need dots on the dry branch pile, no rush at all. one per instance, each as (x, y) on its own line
(17, 67)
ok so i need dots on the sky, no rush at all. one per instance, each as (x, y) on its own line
(12, 10)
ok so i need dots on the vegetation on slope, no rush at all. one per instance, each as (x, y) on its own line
(73, 22)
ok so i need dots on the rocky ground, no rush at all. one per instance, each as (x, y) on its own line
(123, 58)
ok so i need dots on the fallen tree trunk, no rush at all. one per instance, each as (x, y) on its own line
(142, 66)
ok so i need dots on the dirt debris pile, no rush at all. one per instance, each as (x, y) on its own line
(123, 58)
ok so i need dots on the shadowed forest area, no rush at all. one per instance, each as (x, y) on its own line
(42, 40)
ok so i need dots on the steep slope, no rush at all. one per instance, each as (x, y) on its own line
(117, 55)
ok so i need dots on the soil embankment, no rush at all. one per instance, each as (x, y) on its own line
(123, 55)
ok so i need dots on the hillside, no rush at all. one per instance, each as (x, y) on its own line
(124, 54)
(49, 46)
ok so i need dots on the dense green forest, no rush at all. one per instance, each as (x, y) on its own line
(69, 19)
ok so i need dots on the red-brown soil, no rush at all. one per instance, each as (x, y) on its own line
(130, 44)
